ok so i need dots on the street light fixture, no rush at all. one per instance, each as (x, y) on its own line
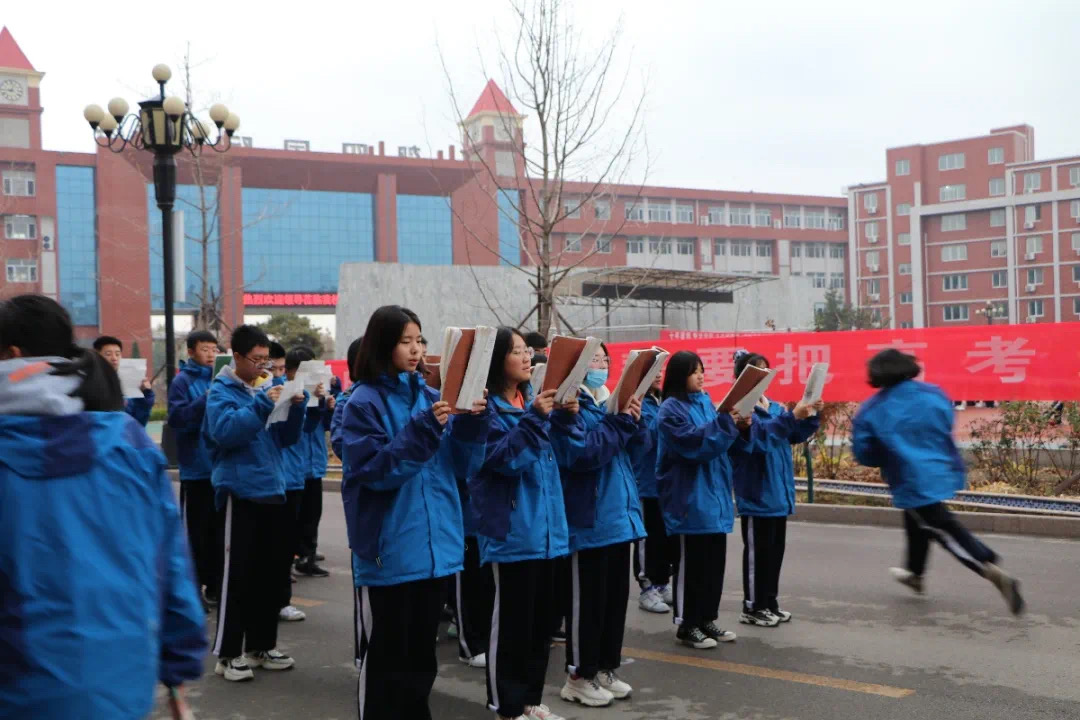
(992, 311)
(164, 126)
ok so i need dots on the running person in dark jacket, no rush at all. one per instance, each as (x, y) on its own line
(906, 430)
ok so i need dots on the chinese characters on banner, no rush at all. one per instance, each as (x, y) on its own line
(291, 299)
(978, 362)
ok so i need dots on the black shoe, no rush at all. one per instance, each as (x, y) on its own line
(319, 557)
(694, 637)
(716, 633)
(309, 568)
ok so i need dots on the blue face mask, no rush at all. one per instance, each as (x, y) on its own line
(595, 378)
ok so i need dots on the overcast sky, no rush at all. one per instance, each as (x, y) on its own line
(797, 96)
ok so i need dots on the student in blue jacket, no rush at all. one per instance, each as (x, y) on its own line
(652, 556)
(343, 399)
(112, 349)
(402, 453)
(765, 497)
(89, 625)
(693, 477)
(249, 483)
(604, 517)
(906, 430)
(187, 405)
(520, 519)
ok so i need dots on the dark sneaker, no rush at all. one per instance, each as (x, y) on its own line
(308, 567)
(694, 637)
(718, 634)
(1008, 586)
(270, 660)
(319, 557)
(761, 618)
(783, 615)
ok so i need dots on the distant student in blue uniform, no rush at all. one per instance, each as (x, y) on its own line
(88, 625)
(112, 350)
(277, 362)
(693, 476)
(187, 406)
(249, 483)
(604, 517)
(520, 522)
(653, 553)
(906, 430)
(343, 398)
(765, 497)
(402, 453)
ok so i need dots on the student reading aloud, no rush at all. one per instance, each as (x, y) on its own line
(693, 476)
(906, 430)
(517, 501)
(765, 497)
(604, 516)
(402, 452)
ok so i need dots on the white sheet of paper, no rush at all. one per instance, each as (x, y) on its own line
(280, 413)
(537, 381)
(746, 406)
(815, 384)
(132, 372)
(314, 372)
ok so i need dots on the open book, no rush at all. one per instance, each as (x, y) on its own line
(641, 369)
(815, 384)
(315, 373)
(132, 372)
(539, 371)
(745, 384)
(568, 361)
(432, 374)
(464, 365)
(746, 406)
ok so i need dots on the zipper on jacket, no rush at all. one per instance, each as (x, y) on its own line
(513, 504)
(378, 561)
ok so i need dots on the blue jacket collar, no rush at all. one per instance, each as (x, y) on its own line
(196, 370)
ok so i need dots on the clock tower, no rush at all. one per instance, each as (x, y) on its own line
(20, 97)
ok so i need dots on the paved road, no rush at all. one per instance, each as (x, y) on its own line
(859, 648)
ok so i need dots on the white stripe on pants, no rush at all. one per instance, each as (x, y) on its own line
(493, 643)
(223, 601)
(460, 614)
(751, 557)
(641, 559)
(680, 596)
(365, 632)
(575, 611)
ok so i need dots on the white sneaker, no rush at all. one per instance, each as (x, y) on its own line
(651, 600)
(476, 661)
(906, 577)
(667, 594)
(270, 660)
(291, 614)
(234, 669)
(611, 682)
(587, 692)
(540, 712)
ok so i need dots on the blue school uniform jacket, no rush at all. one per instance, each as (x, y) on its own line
(765, 476)
(693, 472)
(97, 601)
(906, 430)
(139, 408)
(516, 498)
(599, 485)
(247, 461)
(187, 406)
(646, 467)
(335, 422)
(399, 486)
(316, 425)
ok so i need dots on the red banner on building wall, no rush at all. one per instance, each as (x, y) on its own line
(291, 299)
(977, 362)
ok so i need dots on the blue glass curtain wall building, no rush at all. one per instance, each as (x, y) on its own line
(509, 230)
(424, 230)
(189, 202)
(295, 240)
(76, 242)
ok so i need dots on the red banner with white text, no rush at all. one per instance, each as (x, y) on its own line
(973, 362)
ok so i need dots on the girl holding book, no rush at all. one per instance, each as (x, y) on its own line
(517, 505)
(693, 475)
(652, 555)
(765, 496)
(604, 516)
(401, 454)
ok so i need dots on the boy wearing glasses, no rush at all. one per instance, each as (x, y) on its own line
(250, 485)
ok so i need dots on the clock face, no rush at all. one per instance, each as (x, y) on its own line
(11, 90)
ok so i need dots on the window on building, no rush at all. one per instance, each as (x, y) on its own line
(1032, 214)
(836, 282)
(719, 246)
(998, 249)
(685, 246)
(997, 186)
(1035, 308)
(742, 248)
(635, 246)
(951, 193)
(764, 248)
(1076, 306)
(873, 260)
(20, 227)
(953, 222)
(956, 281)
(504, 163)
(21, 271)
(425, 231)
(762, 217)
(815, 219)
(999, 279)
(635, 211)
(903, 239)
(1074, 209)
(739, 216)
(904, 268)
(818, 280)
(1076, 242)
(870, 202)
(602, 208)
(20, 183)
(1032, 181)
(906, 325)
(1074, 176)
(997, 218)
(953, 253)
(684, 213)
(872, 231)
(837, 251)
(815, 250)
(1076, 273)
(835, 221)
(952, 161)
(903, 167)
(995, 156)
(873, 288)
(658, 246)
(573, 243)
(77, 219)
(905, 298)
(659, 211)
(571, 207)
(796, 250)
(955, 313)
(603, 244)
(1034, 245)
(717, 215)
(1035, 276)
(903, 209)
(792, 217)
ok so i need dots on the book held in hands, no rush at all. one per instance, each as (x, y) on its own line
(744, 385)
(641, 369)
(464, 365)
(568, 361)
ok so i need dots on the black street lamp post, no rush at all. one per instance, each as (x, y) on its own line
(991, 311)
(164, 126)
